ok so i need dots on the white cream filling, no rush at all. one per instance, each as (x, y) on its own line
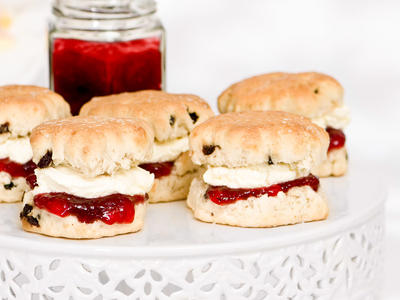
(252, 176)
(338, 118)
(16, 149)
(169, 150)
(135, 181)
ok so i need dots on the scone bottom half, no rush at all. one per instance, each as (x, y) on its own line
(68, 202)
(273, 184)
(64, 214)
(295, 201)
(262, 207)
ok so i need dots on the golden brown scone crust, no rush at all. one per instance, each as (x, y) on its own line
(334, 165)
(171, 115)
(249, 138)
(24, 107)
(309, 94)
(299, 204)
(93, 145)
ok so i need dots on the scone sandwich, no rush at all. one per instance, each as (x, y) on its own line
(313, 95)
(89, 184)
(21, 109)
(258, 169)
(173, 117)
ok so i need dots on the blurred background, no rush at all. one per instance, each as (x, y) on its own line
(211, 44)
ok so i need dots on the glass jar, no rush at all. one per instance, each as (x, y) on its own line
(103, 47)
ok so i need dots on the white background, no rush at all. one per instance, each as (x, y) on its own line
(213, 43)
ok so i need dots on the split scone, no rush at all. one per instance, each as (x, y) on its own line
(89, 184)
(313, 95)
(172, 116)
(258, 169)
(21, 109)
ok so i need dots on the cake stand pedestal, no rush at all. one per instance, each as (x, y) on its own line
(177, 257)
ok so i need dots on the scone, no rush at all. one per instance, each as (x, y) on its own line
(172, 116)
(21, 109)
(258, 169)
(313, 95)
(89, 184)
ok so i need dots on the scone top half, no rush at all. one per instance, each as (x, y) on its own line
(268, 139)
(172, 117)
(24, 107)
(257, 165)
(92, 145)
(21, 109)
(83, 159)
(313, 95)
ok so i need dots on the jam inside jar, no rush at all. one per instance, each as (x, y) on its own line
(112, 49)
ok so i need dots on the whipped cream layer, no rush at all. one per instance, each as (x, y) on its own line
(252, 176)
(135, 181)
(338, 118)
(16, 149)
(169, 150)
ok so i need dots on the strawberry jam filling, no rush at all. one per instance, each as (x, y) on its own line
(159, 169)
(15, 170)
(337, 138)
(115, 208)
(223, 195)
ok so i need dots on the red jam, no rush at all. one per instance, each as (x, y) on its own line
(116, 208)
(337, 138)
(84, 69)
(223, 195)
(15, 170)
(159, 169)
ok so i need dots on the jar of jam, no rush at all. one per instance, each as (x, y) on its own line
(102, 47)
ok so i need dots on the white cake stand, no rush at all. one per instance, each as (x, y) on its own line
(177, 257)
